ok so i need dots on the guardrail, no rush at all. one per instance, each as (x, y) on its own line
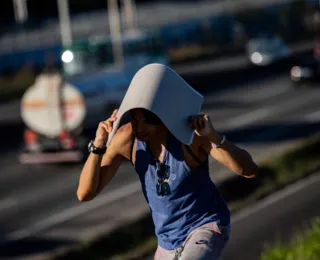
(231, 26)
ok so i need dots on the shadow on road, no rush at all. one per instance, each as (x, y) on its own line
(31, 246)
(11, 136)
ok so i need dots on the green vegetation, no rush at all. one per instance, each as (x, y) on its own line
(137, 240)
(304, 246)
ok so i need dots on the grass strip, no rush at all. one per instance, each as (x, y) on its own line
(304, 245)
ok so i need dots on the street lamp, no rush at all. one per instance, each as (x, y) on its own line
(20, 10)
(64, 21)
(115, 31)
(21, 15)
(129, 8)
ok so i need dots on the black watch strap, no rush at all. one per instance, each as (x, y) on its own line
(96, 150)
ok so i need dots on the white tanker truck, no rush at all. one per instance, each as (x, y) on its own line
(53, 112)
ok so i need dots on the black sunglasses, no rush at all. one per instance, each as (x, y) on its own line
(163, 187)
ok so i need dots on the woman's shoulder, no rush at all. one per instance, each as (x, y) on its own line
(194, 153)
(123, 139)
(124, 133)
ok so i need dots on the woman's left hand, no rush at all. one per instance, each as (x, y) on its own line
(201, 124)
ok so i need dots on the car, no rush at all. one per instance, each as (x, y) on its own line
(264, 50)
(305, 73)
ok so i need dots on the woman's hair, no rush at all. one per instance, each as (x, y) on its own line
(151, 118)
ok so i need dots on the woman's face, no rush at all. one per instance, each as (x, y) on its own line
(142, 126)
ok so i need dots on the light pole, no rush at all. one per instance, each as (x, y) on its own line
(115, 31)
(64, 21)
(20, 10)
(129, 12)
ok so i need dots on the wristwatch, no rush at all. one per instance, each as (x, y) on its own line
(94, 149)
(221, 143)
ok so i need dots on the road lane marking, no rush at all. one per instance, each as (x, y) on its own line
(75, 211)
(7, 203)
(247, 118)
(263, 112)
(313, 117)
(275, 197)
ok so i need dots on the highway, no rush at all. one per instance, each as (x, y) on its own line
(279, 216)
(38, 204)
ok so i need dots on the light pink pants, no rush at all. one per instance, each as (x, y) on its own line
(205, 242)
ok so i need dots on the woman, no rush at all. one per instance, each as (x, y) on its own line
(192, 221)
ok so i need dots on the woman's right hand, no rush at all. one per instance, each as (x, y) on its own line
(104, 128)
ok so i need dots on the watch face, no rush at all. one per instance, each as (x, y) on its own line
(93, 149)
(90, 146)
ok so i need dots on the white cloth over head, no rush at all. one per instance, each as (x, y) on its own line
(164, 92)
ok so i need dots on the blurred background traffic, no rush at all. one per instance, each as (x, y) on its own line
(66, 64)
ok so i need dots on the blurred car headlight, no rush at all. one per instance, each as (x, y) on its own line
(301, 72)
(67, 56)
(296, 72)
(256, 58)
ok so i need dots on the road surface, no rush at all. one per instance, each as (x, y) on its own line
(278, 217)
(39, 204)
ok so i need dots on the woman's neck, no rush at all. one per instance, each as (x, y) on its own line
(157, 144)
(160, 138)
